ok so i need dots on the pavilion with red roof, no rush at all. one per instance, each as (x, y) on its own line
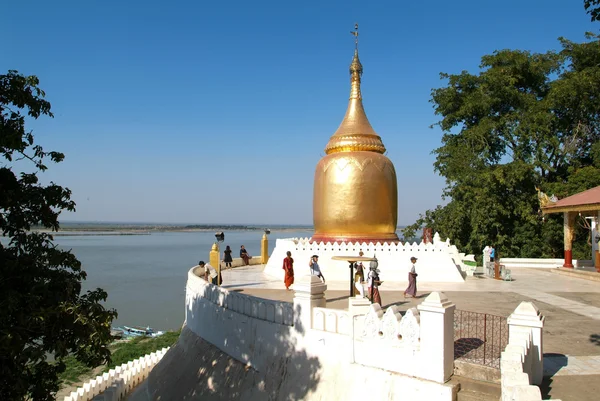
(586, 203)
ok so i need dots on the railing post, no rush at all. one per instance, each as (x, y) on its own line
(437, 337)
(264, 249)
(528, 319)
(309, 294)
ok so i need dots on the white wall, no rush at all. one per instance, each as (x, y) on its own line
(541, 263)
(268, 334)
(437, 262)
(118, 382)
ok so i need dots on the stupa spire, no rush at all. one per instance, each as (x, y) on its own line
(355, 132)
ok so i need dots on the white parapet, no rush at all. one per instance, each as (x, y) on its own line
(117, 382)
(437, 262)
(521, 362)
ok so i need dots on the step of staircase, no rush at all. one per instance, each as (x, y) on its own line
(476, 390)
(584, 274)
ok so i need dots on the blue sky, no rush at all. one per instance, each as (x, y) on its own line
(218, 111)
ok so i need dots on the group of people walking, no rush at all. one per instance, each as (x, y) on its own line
(373, 280)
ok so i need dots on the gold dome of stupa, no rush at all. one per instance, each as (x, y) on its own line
(355, 192)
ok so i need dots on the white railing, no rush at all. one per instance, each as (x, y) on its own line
(332, 320)
(259, 308)
(118, 382)
(542, 263)
(522, 361)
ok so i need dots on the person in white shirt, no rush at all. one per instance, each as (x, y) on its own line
(315, 270)
(210, 273)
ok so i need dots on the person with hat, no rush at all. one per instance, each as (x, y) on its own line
(411, 290)
(374, 282)
(315, 270)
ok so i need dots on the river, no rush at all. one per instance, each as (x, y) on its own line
(145, 275)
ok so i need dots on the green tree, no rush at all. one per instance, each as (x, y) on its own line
(592, 7)
(526, 120)
(42, 309)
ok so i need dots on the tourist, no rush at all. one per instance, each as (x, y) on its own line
(227, 256)
(492, 253)
(245, 255)
(210, 273)
(315, 270)
(411, 290)
(359, 279)
(374, 283)
(288, 266)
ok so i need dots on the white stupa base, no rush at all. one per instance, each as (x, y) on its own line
(438, 262)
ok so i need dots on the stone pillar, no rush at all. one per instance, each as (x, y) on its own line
(569, 229)
(528, 319)
(358, 305)
(264, 249)
(437, 337)
(309, 294)
(214, 259)
(595, 220)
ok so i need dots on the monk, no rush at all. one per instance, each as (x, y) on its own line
(411, 290)
(288, 266)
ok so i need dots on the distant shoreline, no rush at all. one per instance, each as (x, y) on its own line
(111, 229)
(114, 229)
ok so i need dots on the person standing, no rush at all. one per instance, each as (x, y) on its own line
(411, 290)
(315, 270)
(288, 267)
(492, 253)
(359, 278)
(227, 256)
(245, 255)
(374, 283)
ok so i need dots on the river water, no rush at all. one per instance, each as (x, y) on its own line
(145, 275)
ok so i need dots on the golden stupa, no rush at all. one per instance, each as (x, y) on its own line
(356, 193)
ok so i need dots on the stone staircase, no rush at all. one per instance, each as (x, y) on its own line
(476, 382)
(476, 390)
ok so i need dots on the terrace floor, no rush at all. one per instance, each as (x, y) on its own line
(570, 305)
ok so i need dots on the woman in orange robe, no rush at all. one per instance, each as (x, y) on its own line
(288, 266)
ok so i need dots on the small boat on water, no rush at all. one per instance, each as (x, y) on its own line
(133, 331)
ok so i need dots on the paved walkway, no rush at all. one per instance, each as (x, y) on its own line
(565, 365)
(571, 306)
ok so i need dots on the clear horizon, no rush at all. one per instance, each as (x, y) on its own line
(220, 111)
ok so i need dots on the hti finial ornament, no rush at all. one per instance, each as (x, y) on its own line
(355, 33)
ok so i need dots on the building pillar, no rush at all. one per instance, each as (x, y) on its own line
(524, 320)
(309, 294)
(214, 260)
(264, 249)
(596, 241)
(437, 337)
(569, 230)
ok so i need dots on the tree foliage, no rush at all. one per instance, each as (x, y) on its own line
(42, 308)
(592, 7)
(526, 120)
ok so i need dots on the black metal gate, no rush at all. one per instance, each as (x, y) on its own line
(479, 338)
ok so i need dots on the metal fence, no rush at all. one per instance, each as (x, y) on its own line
(479, 338)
